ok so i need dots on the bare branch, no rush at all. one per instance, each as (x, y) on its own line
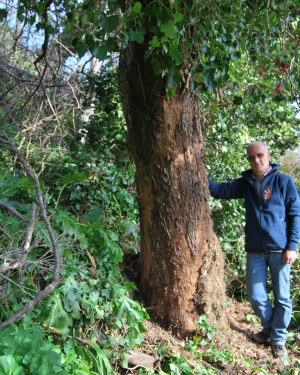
(13, 210)
(2, 230)
(31, 304)
(21, 259)
(10, 146)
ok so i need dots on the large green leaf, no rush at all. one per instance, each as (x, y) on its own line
(109, 23)
(209, 79)
(58, 316)
(170, 30)
(137, 36)
(100, 52)
(71, 177)
(9, 366)
(137, 8)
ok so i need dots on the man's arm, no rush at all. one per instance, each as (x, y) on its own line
(292, 205)
(226, 190)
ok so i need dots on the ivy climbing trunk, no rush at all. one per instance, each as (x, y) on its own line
(181, 261)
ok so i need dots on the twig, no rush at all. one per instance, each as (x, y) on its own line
(57, 279)
(31, 304)
(5, 233)
(13, 210)
(19, 286)
(10, 146)
(58, 333)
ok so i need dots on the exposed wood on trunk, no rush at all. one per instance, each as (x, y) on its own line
(181, 261)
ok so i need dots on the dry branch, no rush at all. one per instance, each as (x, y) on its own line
(31, 304)
(21, 258)
(13, 211)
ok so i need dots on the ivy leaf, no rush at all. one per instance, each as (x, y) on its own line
(154, 42)
(169, 92)
(110, 23)
(94, 214)
(68, 178)
(163, 16)
(138, 36)
(80, 47)
(174, 79)
(169, 30)
(243, 44)
(174, 52)
(105, 293)
(137, 9)
(178, 17)
(151, 11)
(100, 52)
(208, 77)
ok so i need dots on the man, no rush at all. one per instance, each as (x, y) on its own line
(271, 237)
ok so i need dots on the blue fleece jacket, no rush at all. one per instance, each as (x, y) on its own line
(272, 220)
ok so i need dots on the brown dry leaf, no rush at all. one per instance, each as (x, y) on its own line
(93, 269)
(278, 90)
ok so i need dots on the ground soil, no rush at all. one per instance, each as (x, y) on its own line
(247, 356)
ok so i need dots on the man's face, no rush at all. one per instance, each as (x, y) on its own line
(259, 159)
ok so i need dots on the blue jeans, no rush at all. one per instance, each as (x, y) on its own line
(274, 319)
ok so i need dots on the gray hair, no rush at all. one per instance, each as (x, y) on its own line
(255, 143)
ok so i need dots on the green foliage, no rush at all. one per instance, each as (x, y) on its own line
(23, 350)
(96, 180)
(26, 349)
(85, 297)
(290, 165)
(175, 364)
(83, 361)
(90, 188)
(229, 129)
(199, 37)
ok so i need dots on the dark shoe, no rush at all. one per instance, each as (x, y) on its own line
(278, 351)
(261, 337)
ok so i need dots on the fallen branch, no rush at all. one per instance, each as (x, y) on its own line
(20, 261)
(9, 145)
(58, 333)
(2, 230)
(31, 304)
(13, 211)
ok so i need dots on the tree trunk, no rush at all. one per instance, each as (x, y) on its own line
(181, 260)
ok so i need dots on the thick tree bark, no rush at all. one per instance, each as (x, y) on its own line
(181, 261)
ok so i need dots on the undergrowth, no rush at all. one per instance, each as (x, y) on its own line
(90, 322)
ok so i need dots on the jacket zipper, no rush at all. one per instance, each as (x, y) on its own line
(260, 197)
(260, 214)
